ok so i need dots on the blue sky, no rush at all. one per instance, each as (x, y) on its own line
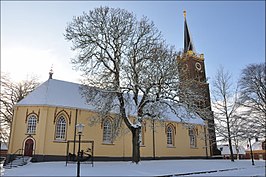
(231, 34)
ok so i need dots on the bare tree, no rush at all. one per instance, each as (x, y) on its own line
(225, 107)
(11, 93)
(129, 70)
(253, 97)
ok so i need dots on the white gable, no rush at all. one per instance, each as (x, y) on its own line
(225, 150)
(66, 94)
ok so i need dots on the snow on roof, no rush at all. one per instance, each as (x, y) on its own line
(256, 146)
(3, 146)
(225, 150)
(56, 93)
(67, 94)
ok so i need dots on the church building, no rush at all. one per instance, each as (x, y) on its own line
(44, 124)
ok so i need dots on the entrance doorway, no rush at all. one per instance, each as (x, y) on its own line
(28, 148)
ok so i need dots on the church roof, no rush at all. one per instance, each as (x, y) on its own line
(59, 93)
(56, 93)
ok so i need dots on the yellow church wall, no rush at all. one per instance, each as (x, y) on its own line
(52, 146)
(13, 143)
(181, 142)
(19, 129)
(95, 133)
(45, 143)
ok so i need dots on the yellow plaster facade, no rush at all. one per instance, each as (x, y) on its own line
(46, 146)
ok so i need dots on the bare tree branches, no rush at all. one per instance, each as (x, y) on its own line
(240, 113)
(225, 106)
(124, 60)
(11, 93)
(253, 98)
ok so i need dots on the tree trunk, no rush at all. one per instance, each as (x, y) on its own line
(231, 150)
(135, 145)
(229, 140)
(134, 130)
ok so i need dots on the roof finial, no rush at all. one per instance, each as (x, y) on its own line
(185, 13)
(51, 73)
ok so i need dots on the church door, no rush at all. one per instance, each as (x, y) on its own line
(28, 148)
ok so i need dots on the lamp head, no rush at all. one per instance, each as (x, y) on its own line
(80, 128)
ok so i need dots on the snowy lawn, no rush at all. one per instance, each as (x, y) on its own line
(145, 168)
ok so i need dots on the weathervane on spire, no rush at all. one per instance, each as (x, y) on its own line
(185, 13)
(51, 72)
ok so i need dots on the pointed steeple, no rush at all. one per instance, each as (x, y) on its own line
(188, 44)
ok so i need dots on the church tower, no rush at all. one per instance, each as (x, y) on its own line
(194, 86)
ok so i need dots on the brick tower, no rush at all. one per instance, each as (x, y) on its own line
(194, 86)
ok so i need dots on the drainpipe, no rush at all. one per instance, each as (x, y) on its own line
(206, 143)
(76, 118)
(153, 138)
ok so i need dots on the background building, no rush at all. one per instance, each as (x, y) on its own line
(238, 152)
(258, 150)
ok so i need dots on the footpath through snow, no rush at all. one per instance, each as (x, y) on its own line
(145, 168)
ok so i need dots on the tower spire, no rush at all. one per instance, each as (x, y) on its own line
(188, 45)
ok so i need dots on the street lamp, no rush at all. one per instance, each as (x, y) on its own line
(251, 153)
(79, 129)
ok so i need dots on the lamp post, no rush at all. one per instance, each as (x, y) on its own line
(79, 129)
(251, 153)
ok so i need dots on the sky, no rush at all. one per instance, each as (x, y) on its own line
(229, 34)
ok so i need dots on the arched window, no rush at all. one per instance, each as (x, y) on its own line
(60, 129)
(107, 131)
(31, 128)
(192, 138)
(170, 136)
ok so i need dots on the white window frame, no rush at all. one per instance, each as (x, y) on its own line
(192, 138)
(170, 136)
(60, 128)
(31, 124)
(107, 132)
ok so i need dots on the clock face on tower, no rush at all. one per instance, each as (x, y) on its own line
(185, 67)
(198, 66)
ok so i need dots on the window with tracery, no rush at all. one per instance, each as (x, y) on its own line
(32, 122)
(170, 136)
(60, 131)
(107, 131)
(192, 138)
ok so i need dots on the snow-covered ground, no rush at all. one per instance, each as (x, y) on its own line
(144, 168)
